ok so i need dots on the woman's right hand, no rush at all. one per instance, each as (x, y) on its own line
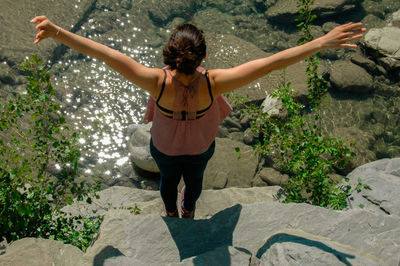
(45, 27)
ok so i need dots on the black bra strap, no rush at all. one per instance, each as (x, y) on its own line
(209, 86)
(162, 87)
(171, 112)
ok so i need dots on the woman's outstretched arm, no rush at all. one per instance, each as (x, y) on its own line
(229, 79)
(144, 77)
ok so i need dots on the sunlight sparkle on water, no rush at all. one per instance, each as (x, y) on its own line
(105, 103)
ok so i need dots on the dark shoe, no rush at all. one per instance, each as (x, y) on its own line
(171, 214)
(185, 213)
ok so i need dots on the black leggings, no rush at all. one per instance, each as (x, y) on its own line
(172, 168)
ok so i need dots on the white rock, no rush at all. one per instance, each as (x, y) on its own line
(271, 105)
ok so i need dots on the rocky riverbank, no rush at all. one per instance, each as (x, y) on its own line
(233, 226)
(239, 217)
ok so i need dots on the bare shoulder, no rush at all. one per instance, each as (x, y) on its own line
(212, 73)
(161, 76)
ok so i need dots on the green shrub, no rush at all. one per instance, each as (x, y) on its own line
(34, 136)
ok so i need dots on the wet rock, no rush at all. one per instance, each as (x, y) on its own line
(395, 19)
(383, 176)
(139, 147)
(223, 132)
(7, 75)
(328, 26)
(233, 130)
(39, 251)
(164, 11)
(367, 64)
(225, 51)
(273, 177)
(18, 32)
(370, 21)
(348, 77)
(248, 136)
(230, 122)
(245, 120)
(236, 136)
(286, 11)
(363, 143)
(380, 8)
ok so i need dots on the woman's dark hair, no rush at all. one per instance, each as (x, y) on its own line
(185, 49)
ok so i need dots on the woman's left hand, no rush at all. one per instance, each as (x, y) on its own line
(341, 35)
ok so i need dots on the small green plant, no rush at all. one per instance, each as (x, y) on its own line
(33, 137)
(132, 209)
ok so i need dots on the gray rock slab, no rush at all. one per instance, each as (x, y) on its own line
(383, 176)
(226, 170)
(209, 203)
(117, 197)
(356, 236)
(295, 247)
(40, 252)
(225, 255)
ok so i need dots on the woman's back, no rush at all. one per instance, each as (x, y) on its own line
(174, 92)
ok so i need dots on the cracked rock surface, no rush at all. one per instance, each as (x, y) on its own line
(383, 176)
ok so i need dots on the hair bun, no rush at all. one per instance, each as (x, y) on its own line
(185, 49)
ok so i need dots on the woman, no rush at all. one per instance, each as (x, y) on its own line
(186, 105)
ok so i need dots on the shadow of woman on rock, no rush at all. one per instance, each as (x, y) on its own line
(284, 238)
(196, 237)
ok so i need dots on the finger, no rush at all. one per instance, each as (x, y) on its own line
(39, 37)
(38, 19)
(40, 25)
(353, 26)
(352, 33)
(348, 45)
(356, 37)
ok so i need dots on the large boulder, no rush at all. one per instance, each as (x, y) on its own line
(43, 252)
(383, 176)
(308, 235)
(226, 169)
(286, 11)
(139, 147)
(384, 44)
(348, 77)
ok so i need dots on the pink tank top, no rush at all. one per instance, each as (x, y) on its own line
(190, 136)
